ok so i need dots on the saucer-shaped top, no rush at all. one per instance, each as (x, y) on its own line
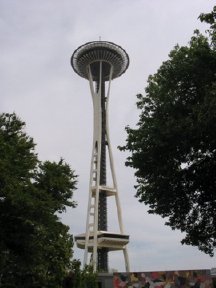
(96, 52)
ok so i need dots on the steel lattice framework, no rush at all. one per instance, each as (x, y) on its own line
(100, 62)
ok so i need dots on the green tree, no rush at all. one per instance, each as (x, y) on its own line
(173, 148)
(35, 247)
(83, 278)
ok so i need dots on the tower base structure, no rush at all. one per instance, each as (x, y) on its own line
(99, 62)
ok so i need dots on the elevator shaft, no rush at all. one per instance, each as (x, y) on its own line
(102, 207)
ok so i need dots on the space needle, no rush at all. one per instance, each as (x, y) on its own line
(100, 62)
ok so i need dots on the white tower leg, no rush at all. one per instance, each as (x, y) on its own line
(94, 184)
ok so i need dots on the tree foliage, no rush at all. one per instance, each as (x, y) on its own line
(173, 148)
(82, 278)
(35, 247)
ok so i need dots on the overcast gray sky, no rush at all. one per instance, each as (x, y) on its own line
(37, 82)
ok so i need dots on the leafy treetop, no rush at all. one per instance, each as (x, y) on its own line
(173, 148)
(35, 246)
